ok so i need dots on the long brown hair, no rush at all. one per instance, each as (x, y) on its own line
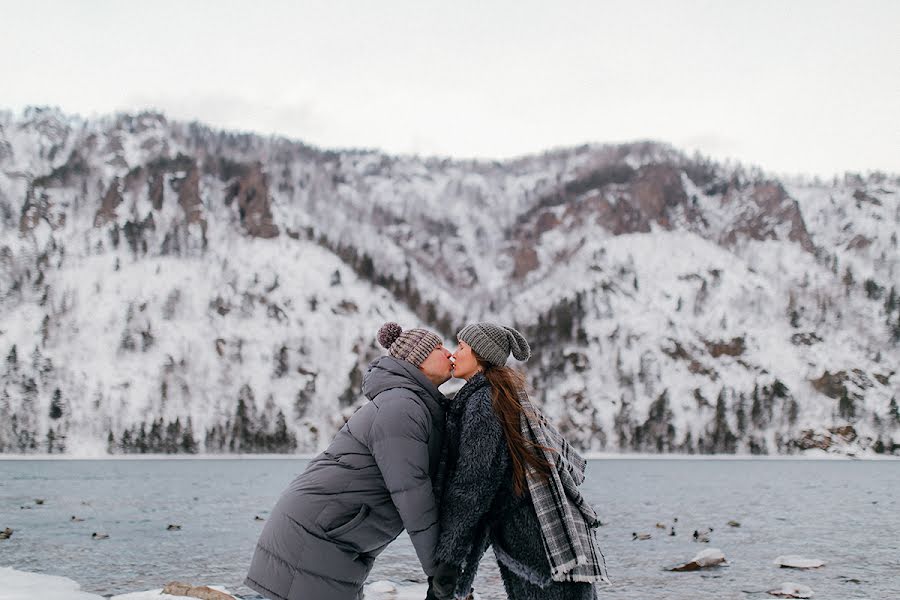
(505, 385)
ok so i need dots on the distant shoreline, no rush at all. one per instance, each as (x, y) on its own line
(588, 455)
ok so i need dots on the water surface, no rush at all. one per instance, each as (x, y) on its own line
(845, 512)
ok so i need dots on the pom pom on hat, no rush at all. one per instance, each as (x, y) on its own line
(412, 345)
(388, 334)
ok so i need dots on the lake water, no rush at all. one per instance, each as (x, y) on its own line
(846, 513)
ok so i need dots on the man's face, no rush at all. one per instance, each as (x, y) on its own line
(437, 366)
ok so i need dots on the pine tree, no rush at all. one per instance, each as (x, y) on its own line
(5, 424)
(173, 436)
(188, 445)
(140, 442)
(147, 339)
(723, 439)
(741, 415)
(155, 439)
(283, 440)
(779, 390)
(846, 406)
(873, 290)
(12, 359)
(430, 313)
(848, 280)
(244, 424)
(792, 312)
(756, 409)
(700, 298)
(758, 446)
(304, 398)
(793, 411)
(36, 359)
(127, 444)
(26, 424)
(624, 424)
(281, 363)
(45, 330)
(656, 432)
(56, 409)
(366, 267)
(354, 387)
(126, 342)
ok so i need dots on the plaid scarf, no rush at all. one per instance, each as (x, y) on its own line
(568, 522)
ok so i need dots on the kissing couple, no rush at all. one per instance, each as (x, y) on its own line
(483, 468)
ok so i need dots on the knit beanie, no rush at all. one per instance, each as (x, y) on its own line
(494, 342)
(412, 345)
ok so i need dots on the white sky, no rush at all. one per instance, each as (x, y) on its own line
(805, 87)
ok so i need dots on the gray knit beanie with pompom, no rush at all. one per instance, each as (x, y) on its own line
(412, 345)
(494, 343)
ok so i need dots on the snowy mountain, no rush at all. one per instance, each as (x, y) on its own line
(165, 287)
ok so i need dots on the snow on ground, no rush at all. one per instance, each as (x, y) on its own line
(18, 585)
(21, 585)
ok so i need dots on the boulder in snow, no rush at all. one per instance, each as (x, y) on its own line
(381, 587)
(177, 588)
(710, 557)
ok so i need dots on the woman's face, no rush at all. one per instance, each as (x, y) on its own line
(465, 364)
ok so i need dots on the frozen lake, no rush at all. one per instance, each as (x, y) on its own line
(846, 513)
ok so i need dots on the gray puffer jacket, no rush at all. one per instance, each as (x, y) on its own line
(354, 499)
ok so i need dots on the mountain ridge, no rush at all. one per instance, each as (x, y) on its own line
(676, 304)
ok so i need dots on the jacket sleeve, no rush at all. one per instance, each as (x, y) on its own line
(477, 478)
(399, 445)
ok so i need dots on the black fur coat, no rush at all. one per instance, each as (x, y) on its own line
(479, 507)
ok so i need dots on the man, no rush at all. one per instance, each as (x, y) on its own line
(372, 482)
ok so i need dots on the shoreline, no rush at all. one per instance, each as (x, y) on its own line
(817, 456)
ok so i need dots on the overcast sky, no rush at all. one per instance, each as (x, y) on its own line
(805, 87)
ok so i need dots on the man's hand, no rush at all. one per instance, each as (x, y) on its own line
(444, 581)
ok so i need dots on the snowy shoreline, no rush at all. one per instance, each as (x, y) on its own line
(25, 585)
(589, 455)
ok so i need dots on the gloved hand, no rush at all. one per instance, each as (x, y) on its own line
(444, 581)
(431, 595)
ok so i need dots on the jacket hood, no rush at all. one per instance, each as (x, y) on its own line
(387, 372)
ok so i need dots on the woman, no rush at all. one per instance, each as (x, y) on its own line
(500, 461)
